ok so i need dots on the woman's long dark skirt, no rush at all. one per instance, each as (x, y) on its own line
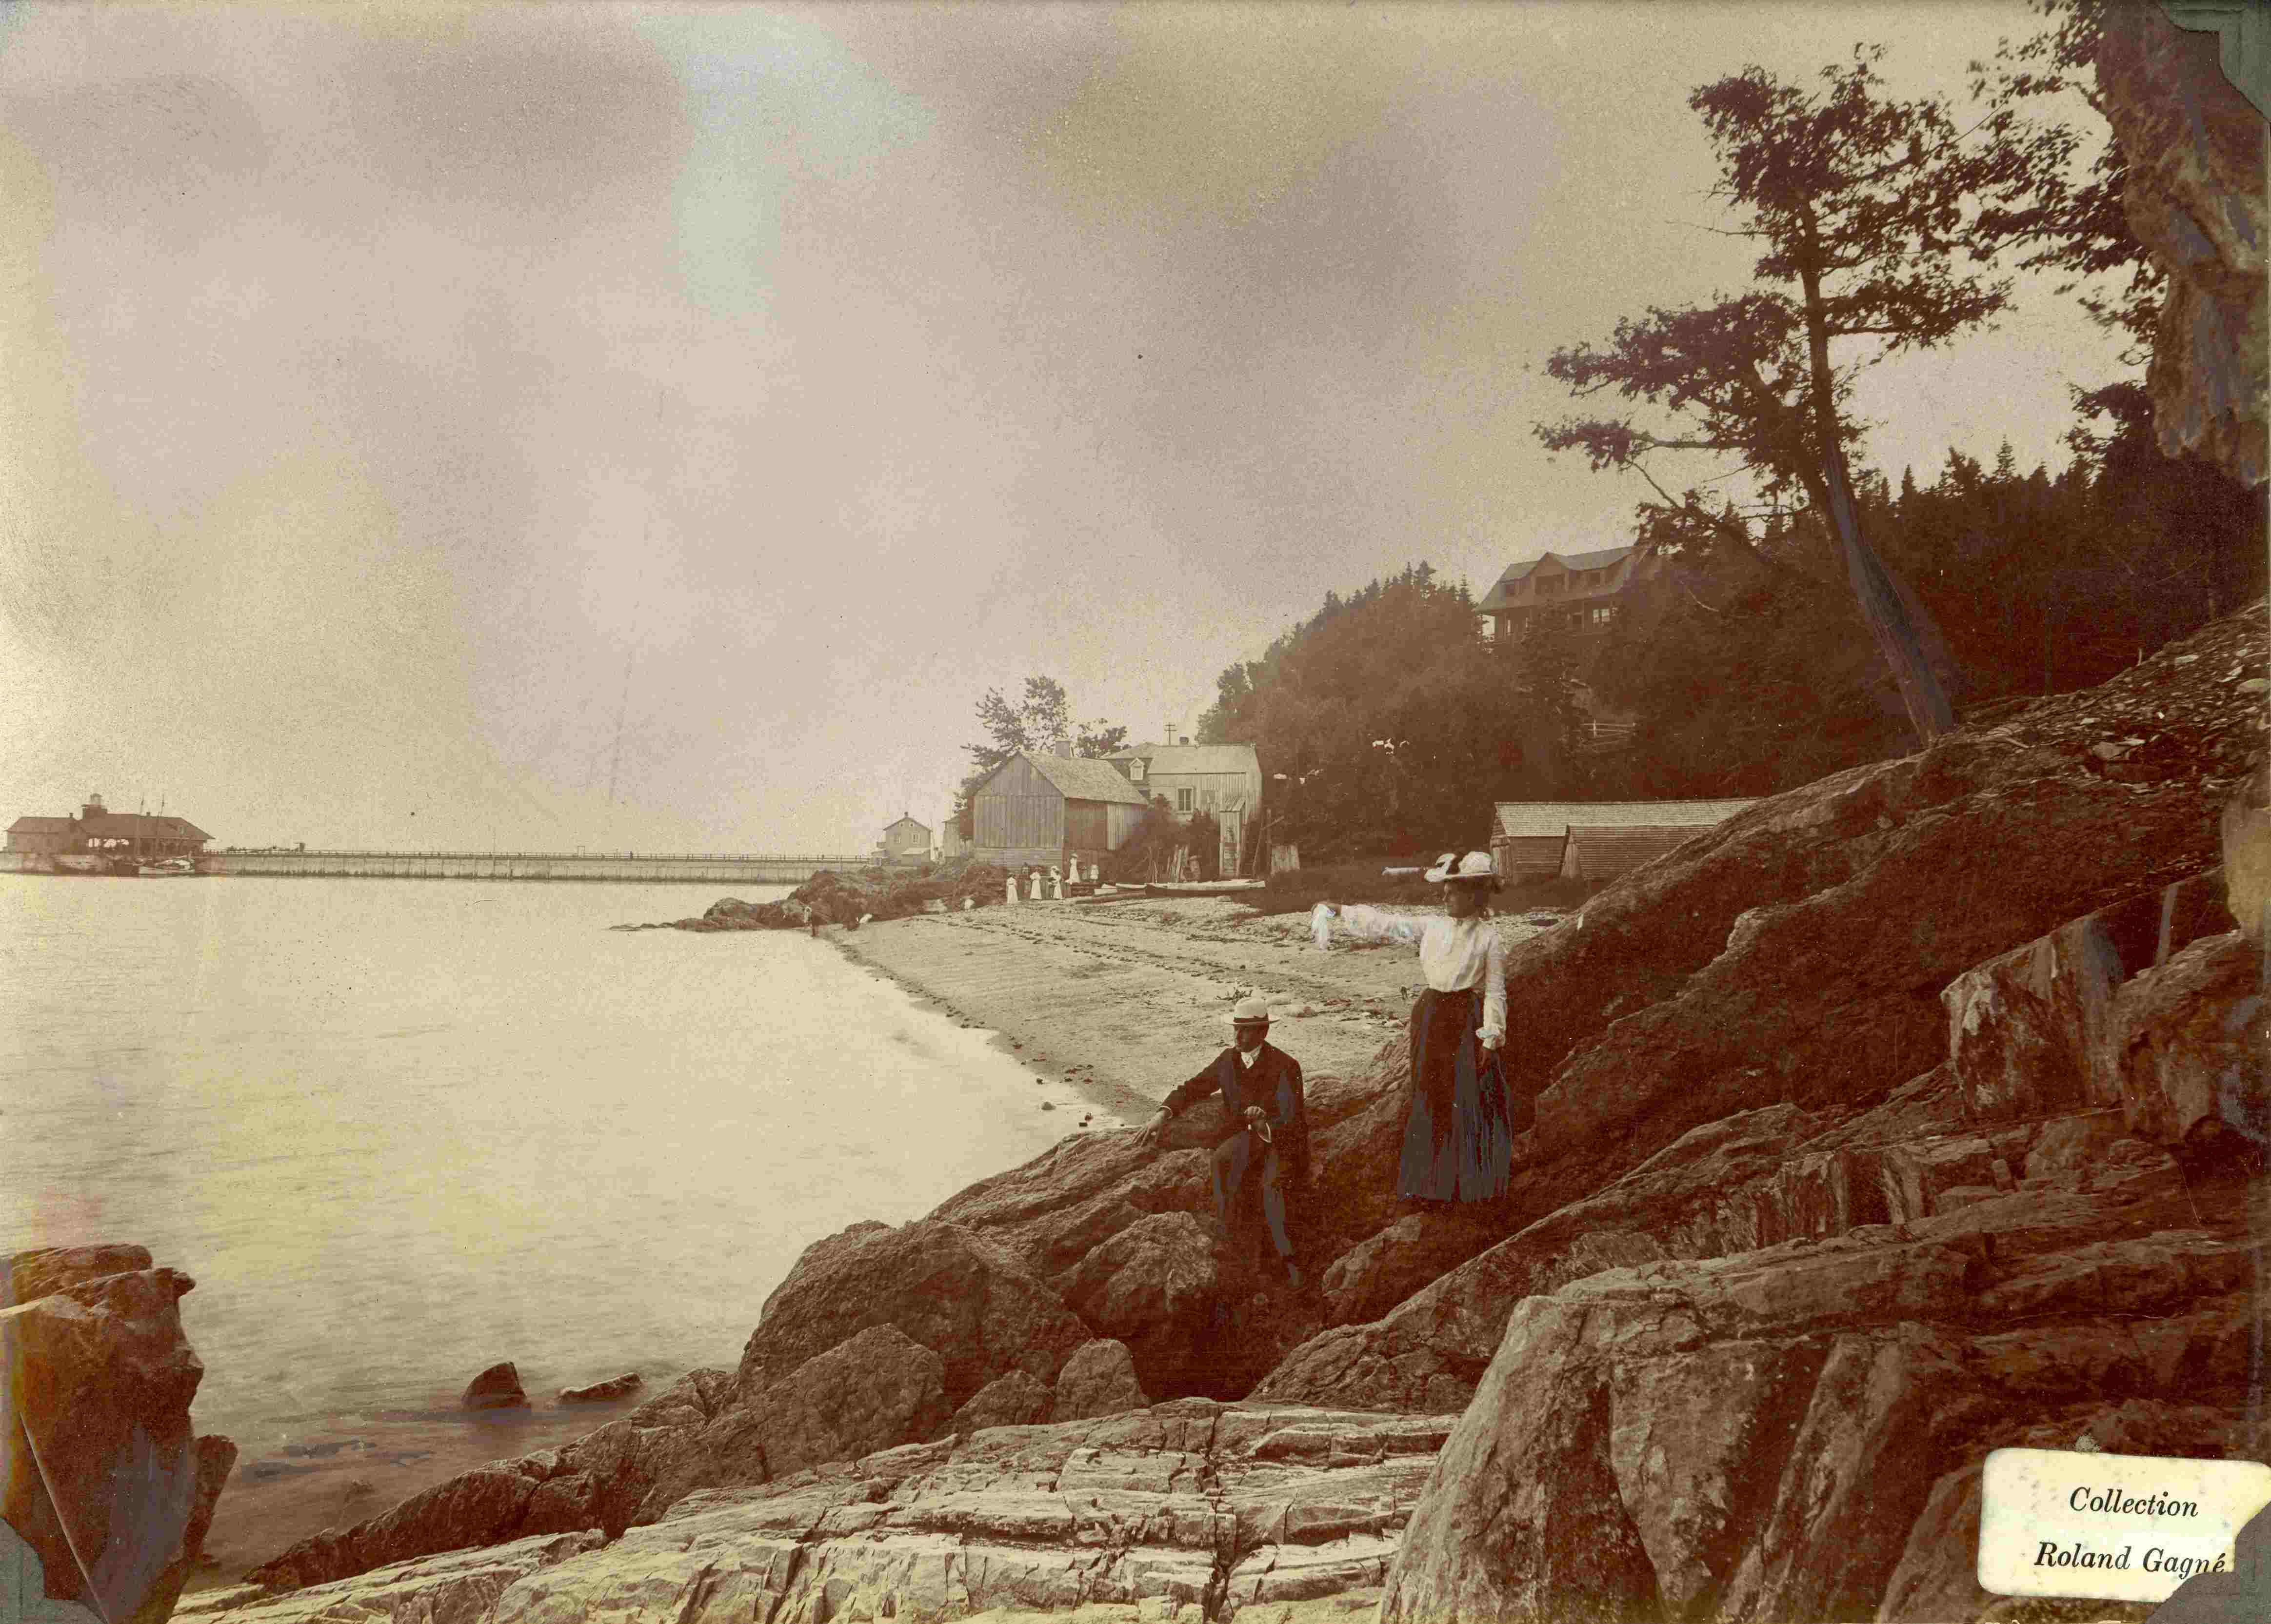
(1458, 1144)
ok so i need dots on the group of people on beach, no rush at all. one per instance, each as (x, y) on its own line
(1458, 1134)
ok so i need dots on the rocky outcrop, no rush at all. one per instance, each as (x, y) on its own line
(2193, 194)
(1099, 1380)
(602, 1392)
(940, 1284)
(1762, 1435)
(497, 1388)
(2059, 1057)
(1193, 1504)
(1014, 1400)
(102, 1480)
(216, 1459)
(846, 900)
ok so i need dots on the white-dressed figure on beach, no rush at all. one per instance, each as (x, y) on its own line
(1458, 1137)
(1011, 886)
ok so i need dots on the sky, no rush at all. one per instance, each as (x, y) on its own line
(613, 427)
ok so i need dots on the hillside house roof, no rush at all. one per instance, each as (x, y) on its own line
(1603, 559)
(1520, 819)
(1082, 779)
(906, 822)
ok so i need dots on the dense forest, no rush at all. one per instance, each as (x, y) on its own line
(1396, 721)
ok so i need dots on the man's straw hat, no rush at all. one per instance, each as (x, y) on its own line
(1251, 1012)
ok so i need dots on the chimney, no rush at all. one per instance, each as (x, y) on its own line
(92, 807)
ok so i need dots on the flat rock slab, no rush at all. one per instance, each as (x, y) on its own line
(1149, 1518)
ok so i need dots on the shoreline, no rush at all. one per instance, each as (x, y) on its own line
(1121, 1004)
(1105, 1009)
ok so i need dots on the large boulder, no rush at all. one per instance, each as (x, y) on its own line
(2193, 194)
(99, 1469)
(944, 1286)
(1152, 1287)
(1765, 1434)
(1014, 1400)
(873, 1392)
(2185, 1044)
(2029, 1030)
(1098, 1380)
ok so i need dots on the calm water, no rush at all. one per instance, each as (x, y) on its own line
(398, 1130)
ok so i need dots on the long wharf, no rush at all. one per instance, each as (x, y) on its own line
(752, 867)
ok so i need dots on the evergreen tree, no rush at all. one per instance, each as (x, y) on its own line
(1864, 207)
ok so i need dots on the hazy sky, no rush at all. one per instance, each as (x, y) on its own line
(396, 397)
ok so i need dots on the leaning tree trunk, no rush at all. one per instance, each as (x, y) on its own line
(1904, 631)
(1903, 628)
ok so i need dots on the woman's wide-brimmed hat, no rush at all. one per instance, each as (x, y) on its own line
(1474, 866)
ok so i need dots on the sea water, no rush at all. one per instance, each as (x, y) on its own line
(398, 1130)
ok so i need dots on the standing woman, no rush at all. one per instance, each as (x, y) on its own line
(1459, 1141)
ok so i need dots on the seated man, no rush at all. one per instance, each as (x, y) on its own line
(1269, 1140)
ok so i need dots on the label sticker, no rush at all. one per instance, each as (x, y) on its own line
(2110, 1527)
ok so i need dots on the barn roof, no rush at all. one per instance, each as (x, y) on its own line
(41, 826)
(1192, 757)
(1517, 819)
(1081, 778)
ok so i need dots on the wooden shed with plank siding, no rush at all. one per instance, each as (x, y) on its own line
(1595, 840)
(1039, 811)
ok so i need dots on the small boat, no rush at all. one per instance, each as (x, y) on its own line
(168, 868)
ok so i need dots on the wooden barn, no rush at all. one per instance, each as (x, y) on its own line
(1595, 840)
(1036, 810)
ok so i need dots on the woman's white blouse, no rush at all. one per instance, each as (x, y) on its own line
(1454, 954)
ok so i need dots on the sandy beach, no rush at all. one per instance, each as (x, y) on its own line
(1117, 1001)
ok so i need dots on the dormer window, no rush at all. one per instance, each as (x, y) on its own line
(1135, 769)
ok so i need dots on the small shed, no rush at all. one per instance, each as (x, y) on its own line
(1037, 810)
(1596, 839)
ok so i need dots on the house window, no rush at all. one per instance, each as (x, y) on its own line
(1602, 613)
(1182, 801)
(1136, 769)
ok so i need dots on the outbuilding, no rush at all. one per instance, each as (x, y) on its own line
(1037, 811)
(1596, 840)
(906, 841)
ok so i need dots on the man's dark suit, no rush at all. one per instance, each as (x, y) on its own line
(1273, 1082)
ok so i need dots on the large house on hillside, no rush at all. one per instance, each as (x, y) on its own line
(1572, 591)
(1580, 594)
